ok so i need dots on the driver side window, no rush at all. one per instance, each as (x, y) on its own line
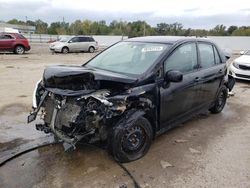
(183, 59)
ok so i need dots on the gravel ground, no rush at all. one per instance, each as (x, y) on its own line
(207, 151)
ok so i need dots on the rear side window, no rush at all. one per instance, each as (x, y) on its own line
(90, 39)
(183, 59)
(83, 39)
(206, 55)
(21, 36)
(217, 56)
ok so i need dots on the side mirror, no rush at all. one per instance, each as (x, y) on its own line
(242, 52)
(173, 76)
(70, 41)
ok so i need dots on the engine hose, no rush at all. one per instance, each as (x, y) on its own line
(136, 184)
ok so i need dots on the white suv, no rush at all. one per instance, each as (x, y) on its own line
(74, 44)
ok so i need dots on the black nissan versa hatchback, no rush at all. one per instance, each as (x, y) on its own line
(132, 92)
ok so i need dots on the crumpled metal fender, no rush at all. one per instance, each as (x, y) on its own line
(128, 118)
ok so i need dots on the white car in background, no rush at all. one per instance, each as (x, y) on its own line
(240, 68)
(74, 44)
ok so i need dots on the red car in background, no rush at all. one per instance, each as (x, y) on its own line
(14, 42)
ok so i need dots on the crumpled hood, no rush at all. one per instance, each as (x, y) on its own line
(76, 77)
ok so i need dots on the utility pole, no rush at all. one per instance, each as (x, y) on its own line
(144, 28)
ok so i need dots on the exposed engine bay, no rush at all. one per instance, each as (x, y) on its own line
(77, 107)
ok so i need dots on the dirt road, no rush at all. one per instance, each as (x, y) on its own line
(207, 151)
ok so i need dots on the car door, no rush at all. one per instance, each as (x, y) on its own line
(6, 41)
(180, 98)
(84, 44)
(212, 71)
(74, 44)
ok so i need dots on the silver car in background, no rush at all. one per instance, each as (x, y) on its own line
(74, 44)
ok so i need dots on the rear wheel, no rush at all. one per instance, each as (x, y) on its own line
(19, 49)
(91, 49)
(131, 141)
(220, 101)
(65, 50)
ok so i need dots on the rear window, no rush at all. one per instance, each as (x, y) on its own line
(21, 36)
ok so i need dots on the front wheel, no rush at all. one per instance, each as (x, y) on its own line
(65, 50)
(131, 140)
(220, 101)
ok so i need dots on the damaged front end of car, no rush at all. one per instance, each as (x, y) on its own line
(79, 104)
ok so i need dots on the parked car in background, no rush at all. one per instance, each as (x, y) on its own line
(74, 44)
(14, 42)
(240, 68)
(131, 92)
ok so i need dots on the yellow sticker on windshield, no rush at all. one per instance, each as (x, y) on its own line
(152, 49)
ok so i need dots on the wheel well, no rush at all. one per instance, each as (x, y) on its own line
(91, 47)
(152, 123)
(19, 45)
(65, 47)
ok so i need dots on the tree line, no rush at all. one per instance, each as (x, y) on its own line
(130, 29)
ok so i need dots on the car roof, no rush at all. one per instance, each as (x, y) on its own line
(166, 39)
(83, 36)
(6, 33)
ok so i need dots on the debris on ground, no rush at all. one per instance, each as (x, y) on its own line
(123, 186)
(165, 164)
(194, 151)
(91, 169)
(10, 67)
(231, 93)
(180, 141)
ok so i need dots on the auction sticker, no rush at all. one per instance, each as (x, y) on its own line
(152, 49)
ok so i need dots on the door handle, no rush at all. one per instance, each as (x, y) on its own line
(220, 71)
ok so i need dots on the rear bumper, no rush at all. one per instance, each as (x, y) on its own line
(239, 73)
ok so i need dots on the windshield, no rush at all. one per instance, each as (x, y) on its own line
(64, 39)
(129, 57)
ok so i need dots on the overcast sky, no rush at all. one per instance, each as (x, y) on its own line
(191, 13)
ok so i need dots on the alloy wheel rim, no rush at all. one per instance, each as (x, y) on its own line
(65, 50)
(20, 50)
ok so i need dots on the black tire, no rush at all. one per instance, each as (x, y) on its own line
(220, 101)
(130, 140)
(91, 49)
(19, 49)
(65, 50)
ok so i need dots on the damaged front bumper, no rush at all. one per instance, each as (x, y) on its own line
(36, 107)
(85, 117)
